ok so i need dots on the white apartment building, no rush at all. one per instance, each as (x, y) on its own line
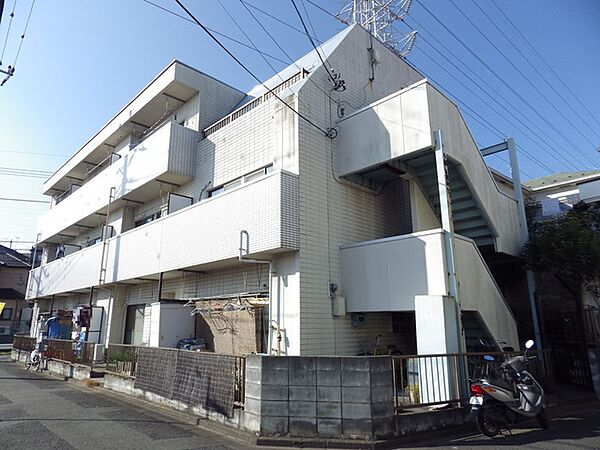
(358, 243)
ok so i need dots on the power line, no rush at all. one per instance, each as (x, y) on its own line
(492, 108)
(277, 19)
(26, 200)
(33, 153)
(329, 132)
(525, 78)
(23, 35)
(10, 21)
(309, 36)
(533, 66)
(248, 39)
(565, 85)
(508, 86)
(218, 33)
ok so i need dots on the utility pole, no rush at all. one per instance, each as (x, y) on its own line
(378, 18)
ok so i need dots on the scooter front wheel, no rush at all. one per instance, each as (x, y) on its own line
(486, 427)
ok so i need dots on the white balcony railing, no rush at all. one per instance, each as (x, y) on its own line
(167, 152)
(200, 234)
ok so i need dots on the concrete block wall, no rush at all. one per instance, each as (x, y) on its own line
(349, 397)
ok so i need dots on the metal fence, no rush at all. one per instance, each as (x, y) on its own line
(24, 343)
(71, 351)
(425, 380)
(121, 359)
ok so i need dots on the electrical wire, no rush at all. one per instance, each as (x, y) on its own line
(331, 133)
(520, 72)
(10, 21)
(277, 19)
(493, 109)
(533, 66)
(488, 91)
(23, 35)
(24, 200)
(248, 38)
(565, 85)
(290, 59)
(508, 86)
(218, 33)
(309, 36)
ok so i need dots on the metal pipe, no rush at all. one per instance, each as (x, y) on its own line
(516, 178)
(160, 286)
(87, 334)
(448, 235)
(243, 252)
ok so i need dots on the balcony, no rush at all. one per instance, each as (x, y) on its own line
(166, 155)
(194, 237)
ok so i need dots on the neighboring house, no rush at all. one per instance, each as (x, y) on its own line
(149, 219)
(14, 269)
(569, 320)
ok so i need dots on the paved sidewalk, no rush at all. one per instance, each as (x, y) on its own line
(40, 412)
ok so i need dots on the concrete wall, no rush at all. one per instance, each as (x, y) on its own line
(319, 396)
(387, 274)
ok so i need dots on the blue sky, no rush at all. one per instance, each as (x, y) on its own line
(81, 61)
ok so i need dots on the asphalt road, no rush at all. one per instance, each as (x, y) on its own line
(575, 428)
(40, 412)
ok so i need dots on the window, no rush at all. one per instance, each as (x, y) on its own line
(6, 314)
(147, 219)
(241, 180)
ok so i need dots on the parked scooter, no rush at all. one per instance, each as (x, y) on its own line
(505, 395)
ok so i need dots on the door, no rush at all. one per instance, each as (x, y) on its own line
(134, 324)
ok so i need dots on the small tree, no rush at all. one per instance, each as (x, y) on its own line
(568, 246)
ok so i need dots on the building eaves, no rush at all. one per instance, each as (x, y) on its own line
(561, 179)
(10, 294)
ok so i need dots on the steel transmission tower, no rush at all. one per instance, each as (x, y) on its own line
(378, 18)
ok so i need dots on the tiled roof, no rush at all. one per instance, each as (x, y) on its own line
(10, 294)
(12, 258)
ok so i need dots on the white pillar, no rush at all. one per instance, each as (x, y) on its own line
(437, 334)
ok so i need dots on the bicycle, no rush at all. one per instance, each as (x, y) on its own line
(37, 359)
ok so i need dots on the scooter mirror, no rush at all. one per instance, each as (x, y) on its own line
(529, 344)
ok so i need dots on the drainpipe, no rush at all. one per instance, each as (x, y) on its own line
(243, 252)
(87, 334)
(448, 234)
(516, 178)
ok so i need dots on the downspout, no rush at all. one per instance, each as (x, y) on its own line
(243, 252)
(448, 235)
(516, 178)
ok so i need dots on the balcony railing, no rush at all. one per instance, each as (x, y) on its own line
(200, 234)
(167, 153)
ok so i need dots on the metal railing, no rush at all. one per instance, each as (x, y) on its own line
(592, 326)
(25, 343)
(121, 359)
(71, 351)
(240, 381)
(426, 380)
